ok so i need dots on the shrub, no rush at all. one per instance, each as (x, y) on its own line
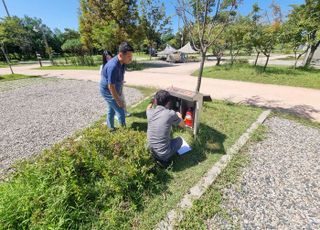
(241, 61)
(134, 65)
(84, 60)
(96, 182)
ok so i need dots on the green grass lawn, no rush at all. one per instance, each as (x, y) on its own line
(11, 77)
(109, 180)
(69, 67)
(5, 65)
(277, 75)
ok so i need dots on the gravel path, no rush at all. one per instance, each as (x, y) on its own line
(36, 113)
(280, 189)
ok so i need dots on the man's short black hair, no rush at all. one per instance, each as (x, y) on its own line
(125, 47)
(162, 97)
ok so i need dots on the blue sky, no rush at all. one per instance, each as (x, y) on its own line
(64, 13)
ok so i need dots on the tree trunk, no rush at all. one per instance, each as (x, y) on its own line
(7, 58)
(150, 52)
(218, 60)
(265, 65)
(296, 60)
(256, 61)
(203, 59)
(231, 53)
(236, 54)
(312, 51)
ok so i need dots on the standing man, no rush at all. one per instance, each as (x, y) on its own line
(111, 84)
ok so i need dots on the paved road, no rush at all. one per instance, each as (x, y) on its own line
(294, 99)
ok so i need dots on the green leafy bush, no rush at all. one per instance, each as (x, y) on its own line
(84, 60)
(134, 65)
(241, 61)
(99, 181)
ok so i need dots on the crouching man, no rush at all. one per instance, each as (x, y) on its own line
(160, 121)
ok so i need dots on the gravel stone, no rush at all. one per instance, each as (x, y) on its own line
(36, 113)
(280, 189)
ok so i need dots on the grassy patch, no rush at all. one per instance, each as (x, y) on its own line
(5, 65)
(146, 91)
(210, 203)
(109, 180)
(278, 75)
(69, 67)
(11, 77)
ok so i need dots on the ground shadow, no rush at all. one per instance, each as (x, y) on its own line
(141, 114)
(304, 111)
(140, 126)
(208, 141)
(148, 65)
(158, 64)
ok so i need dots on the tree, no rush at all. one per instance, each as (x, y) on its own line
(271, 32)
(13, 34)
(219, 47)
(105, 24)
(72, 46)
(269, 39)
(235, 36)
(293, 35)
(202, 18)
(253, 38)
(307, 16)
(40, 38)
(154, 22)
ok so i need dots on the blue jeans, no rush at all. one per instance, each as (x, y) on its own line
(113, 109)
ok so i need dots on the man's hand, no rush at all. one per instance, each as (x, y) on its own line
(179, 115)
(115, 95)
(120, 104)
(181, 124)
(150, 104)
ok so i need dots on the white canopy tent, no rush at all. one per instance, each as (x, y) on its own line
(168, 50)
(187, 49)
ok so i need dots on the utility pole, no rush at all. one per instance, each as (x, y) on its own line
(5, 6)
(6, 57)
(2, 45)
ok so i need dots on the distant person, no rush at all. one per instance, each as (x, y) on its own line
(160, 121)
(111, 84)
(106, 56)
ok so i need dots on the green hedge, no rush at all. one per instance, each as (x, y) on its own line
(97, 182)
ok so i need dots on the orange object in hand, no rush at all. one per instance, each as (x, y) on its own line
(189, 119)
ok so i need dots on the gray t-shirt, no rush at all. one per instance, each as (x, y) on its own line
(160, 121)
